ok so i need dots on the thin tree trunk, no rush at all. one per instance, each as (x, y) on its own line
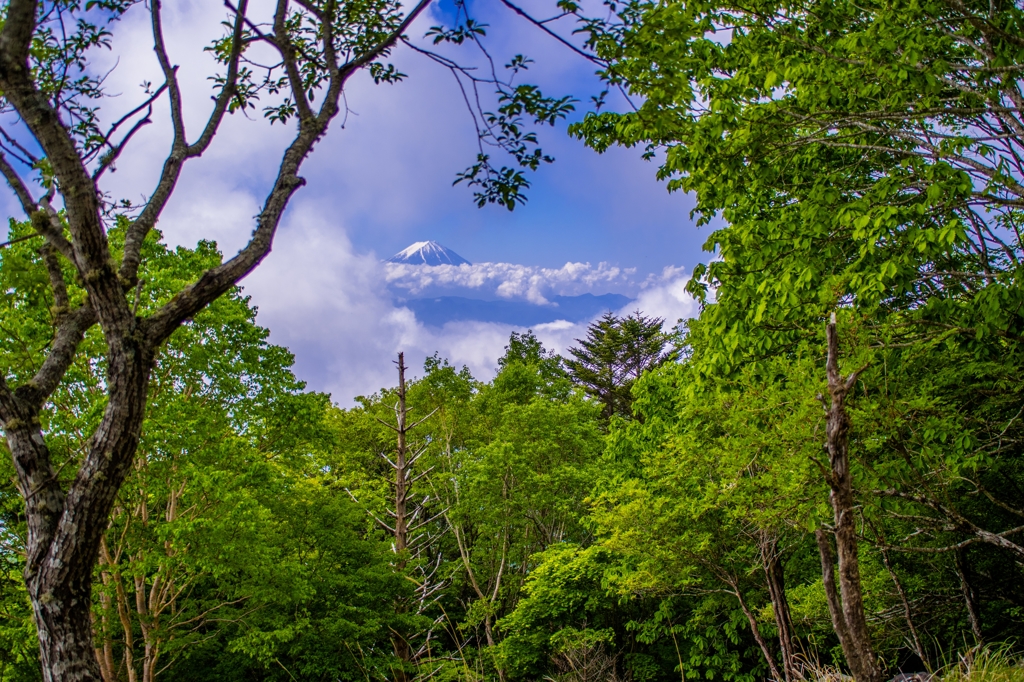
(403, 652)
(835, 607)
(857, 641)
(756, 632)
(105, 653)
(970, 596)
(918, 647)
(775, 577)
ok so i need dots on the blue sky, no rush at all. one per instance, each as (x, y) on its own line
(385, 181)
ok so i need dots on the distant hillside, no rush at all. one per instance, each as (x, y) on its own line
(436, 312)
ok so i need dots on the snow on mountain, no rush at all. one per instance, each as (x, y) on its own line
(428, 253)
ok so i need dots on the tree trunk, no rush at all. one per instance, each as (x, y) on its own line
(907, 614)
(756, 632)
(970, 595)
(403, 652)
(835, 607)
(62, 620)
(65, 531)
(775, 577)
(105, 653)
(848, 606)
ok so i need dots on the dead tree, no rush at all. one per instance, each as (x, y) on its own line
(413, 541)
(846, 606)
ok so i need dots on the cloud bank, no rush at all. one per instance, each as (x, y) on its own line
(509, 280)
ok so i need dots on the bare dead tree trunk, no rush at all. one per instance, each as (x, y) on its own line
(775, 577)
(400, 643)
(408, 517)
(969, 594)
(846, 607)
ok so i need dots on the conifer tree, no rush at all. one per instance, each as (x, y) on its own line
(616, 351)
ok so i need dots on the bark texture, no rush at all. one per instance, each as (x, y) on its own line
(847, 605)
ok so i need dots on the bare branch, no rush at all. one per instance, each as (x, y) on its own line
(108, 159)
(216, 281)
(542, 25)
(61, 355)
(14, 181)
(181, 150)
(373, 53)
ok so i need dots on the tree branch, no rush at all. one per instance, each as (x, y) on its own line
(542, 25)
(216, 281)
(180, 149)
(62, 353)
(14, 181)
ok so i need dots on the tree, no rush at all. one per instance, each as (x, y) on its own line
(865, 154)
(93, 281)
(65, 525)
(213, 537)
(847, 605)
(614, 355)
(527, 369)
(411, 526)
(866, 159)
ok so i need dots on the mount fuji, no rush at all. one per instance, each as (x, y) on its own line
(428, 253)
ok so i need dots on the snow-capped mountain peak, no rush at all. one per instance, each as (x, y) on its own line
(428, 253)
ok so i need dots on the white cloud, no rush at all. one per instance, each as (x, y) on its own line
(665, 296)
(510, 280)
(322, 291)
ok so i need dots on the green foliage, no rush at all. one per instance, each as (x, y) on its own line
(864, 160)
(18, 650)
(227, 552)
(851, 149)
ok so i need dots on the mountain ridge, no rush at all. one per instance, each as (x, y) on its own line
(438, 310)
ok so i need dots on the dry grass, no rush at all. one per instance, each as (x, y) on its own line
(979, 664)
(984, 665)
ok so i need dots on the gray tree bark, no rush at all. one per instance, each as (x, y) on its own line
(846, 606)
